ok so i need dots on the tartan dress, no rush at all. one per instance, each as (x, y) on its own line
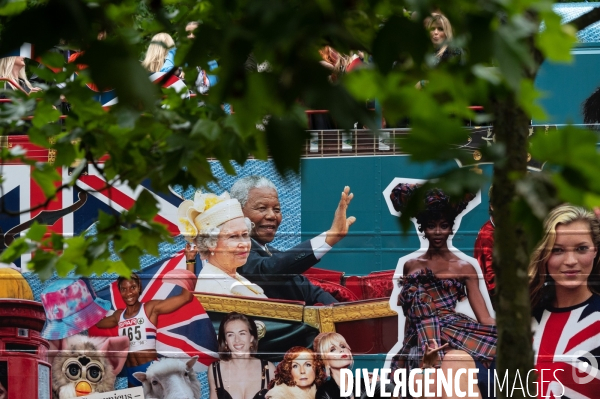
(429, 305)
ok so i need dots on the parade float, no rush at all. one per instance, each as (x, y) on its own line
(361, 272)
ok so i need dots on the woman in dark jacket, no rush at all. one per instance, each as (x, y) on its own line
(336, 355)
(440, 33)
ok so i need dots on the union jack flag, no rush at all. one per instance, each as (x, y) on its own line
(567, 345)
(71, 213)
(186, 332)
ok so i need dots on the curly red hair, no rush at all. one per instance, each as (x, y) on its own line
(283, 372)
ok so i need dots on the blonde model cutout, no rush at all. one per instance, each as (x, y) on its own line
(323, 342)
(538, 271)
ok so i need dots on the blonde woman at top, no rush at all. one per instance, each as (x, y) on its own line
(218, 228)
(440, 33)
(160, 54)
(13, 68)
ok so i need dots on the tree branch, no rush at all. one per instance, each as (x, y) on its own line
(586, 19)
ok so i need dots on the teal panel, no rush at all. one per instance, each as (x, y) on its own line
(369, 362)
(375, 241)
(566, 86)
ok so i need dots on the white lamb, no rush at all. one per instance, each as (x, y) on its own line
(170, 379)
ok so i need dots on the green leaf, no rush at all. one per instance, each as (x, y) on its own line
(556, 40)
(57, 241)
(17, 248)
(118, 267)
(45, 113)
(36, 232)
(105, 221)
(146, 206)
(44, 263)
(491, 74)
(285, 137)
(129, 238)
(325, 5)
(527, 97)
(387, 48)
(566, 191)
(65, 153)
(205, 128)
(569, 146)
(46, 176)
(572, 156)
(152, 240)
(75, 248)
(591, 200)
(115, 65)
(52, 59)
(131, 257)
(509, 53)
(97, 250)
(64, 265)
(12, 7)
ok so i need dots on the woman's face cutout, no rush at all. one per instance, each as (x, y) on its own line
(238, 337)
(302, 370)
(338, 355)
(233, 245)
(437, 232)
(572, 257)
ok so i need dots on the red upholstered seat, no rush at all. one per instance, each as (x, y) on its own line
(372, 286)
(325, 275)
(354, 284)
(377, 284)
(354, 288)
(338, 291)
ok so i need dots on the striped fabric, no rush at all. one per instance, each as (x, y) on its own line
(566, 343)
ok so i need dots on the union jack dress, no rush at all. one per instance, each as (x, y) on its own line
(566, 343)
(429, 305)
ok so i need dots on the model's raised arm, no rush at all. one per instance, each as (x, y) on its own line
(158, 307)
(110, 321)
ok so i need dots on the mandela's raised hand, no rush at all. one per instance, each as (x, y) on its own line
(341, 223)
